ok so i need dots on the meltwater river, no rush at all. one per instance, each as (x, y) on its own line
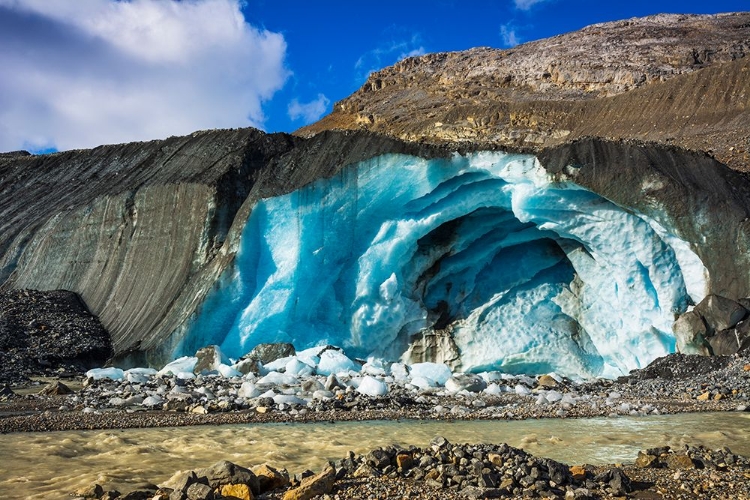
(53, 464)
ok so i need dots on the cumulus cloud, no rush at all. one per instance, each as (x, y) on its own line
(387, 53)
(527, 4)
(309, 111)
(79, 73)
(509, 36)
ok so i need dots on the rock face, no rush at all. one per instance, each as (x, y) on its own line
(647, 79)
(41, 332)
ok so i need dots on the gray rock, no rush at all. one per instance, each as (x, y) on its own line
(224, 472)
(265, 353)
(720, 313)
(465, 382)
(209, 359)
(731, 341)
(690, 332)
(199, 491)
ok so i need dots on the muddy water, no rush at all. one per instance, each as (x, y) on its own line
(53, 464)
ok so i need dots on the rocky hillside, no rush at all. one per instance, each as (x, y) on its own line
(676, 79)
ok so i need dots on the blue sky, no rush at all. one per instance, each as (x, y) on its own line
(79, 73)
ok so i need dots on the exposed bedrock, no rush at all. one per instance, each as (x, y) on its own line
(380, 243)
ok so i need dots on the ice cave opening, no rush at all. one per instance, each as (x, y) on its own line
(527, 274)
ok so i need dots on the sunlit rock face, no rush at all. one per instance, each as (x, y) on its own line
(530, 275)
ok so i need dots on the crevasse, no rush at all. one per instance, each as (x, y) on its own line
(531, 275)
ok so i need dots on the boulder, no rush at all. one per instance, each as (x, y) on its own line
(224, 472)
(269, 478)
(690, 332)
(56, 388)
(465, 382)
(209, 360)
(265, 353)
(720, 313)
(676, 461)
(91, 491)
(237, 492)
(732, 341)
(313, 486)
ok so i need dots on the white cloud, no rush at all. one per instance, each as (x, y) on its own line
(79, 73)
(527, 4)
(388, 53)
(509, 36)
(309, 111)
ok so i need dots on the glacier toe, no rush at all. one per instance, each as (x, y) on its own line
(528, 274)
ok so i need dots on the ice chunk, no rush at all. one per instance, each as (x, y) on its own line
(227, 371)
(335, 362)
(422, 382)
(248, 391)
(311, 356)
(370, 386)
(288, 399)
(278, 379)
(493, 389)
(522, 390)
(298, 368)
(278, 364)
(110, 373)
(152, 402)
(183, 364)
(438, 372)
(399, 371)
(375, 366)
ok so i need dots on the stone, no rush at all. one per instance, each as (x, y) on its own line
(269, 478)
(366, 470)
(732, 341)
(92, 491)
(237, 492)
(310, 487)
(704, 396)
(495, 459)
(378, 458)
(547, 381)
(249, 365)
(578, 473)
(199, 491)
(720, 313)
(645, 460)
(678, 461)
(224, 472)
(465, 382)
(112, 494)
(56, 388)
(265, 353)
(209, 359)
(619, 481)
(404, 461)
(690, 331)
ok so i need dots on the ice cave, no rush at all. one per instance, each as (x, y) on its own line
(529, 274)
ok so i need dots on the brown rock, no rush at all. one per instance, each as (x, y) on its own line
(644, 460)
(404, 461)
(578, 473)
(91, 491)
(547, 381)
(56, 388)
(237, 492)
(704, 396)
(676, 461)
(270, 478)
(746, 368)
(495, 459)
(310, 487)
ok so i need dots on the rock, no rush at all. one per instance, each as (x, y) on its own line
(6, 393)
(547, 381)
(578, 473)
(404, 461)
(690, 332)
(248, 365)
(465, 382)
(266, 353)
(269, 478)
(719, 313)
(378, 458)
(209, 359)
(224, 472)
(366, 470)
(91, 491)
(645, 460)
(704, 396)
(113, 494)
(310, 487)
(677, 461)
(732, 341)
(199, 491)
(237, 492)
(56, 388)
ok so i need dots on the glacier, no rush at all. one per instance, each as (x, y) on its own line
(529, 274)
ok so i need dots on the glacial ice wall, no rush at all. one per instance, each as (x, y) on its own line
(529, 274)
